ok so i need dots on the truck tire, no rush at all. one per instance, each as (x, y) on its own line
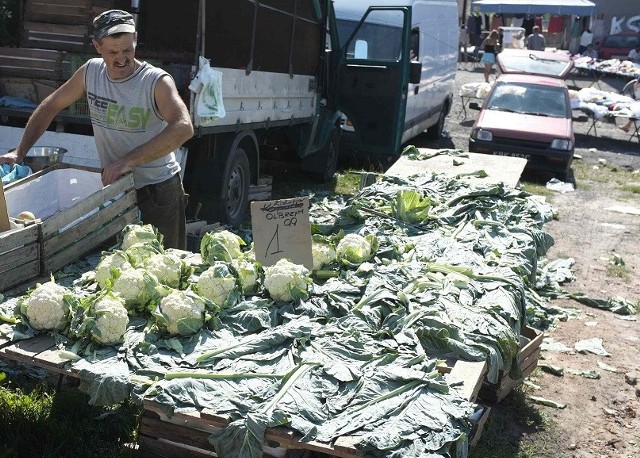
(331, 163)
(322, 165)
(234, 191)
(435, 132)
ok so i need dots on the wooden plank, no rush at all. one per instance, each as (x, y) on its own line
(19, 275)
(479, 427)
(88, 243)
(69, 215)
(62, 37)
(152, 426)
(18, 257)
(18, 238)
(470, 373)
(73, 235)
(27, 349)
(156, 448)
(30, 63)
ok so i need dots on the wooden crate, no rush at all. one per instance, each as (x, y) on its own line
(530, 341)
(76, 230)
(19, 256)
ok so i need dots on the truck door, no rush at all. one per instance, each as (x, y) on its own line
(373, 79)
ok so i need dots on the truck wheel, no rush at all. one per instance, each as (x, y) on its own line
(331, 164)
(234, 195)
(321, 166)
(434, 132)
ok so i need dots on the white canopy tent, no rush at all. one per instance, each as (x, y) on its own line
(538, 7)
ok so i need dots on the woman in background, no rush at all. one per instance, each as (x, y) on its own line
(490, 46)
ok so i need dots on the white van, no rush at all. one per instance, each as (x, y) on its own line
(432, 41)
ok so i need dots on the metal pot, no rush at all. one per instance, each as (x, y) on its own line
(40, 157)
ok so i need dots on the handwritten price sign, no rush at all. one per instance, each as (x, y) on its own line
(281, 229)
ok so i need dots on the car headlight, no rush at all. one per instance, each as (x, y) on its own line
(562, 144)
(484, 135)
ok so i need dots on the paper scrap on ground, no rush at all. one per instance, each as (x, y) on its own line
(593, 345)
(548, 344)
(559, 186)
(625, 209)
(606, 367)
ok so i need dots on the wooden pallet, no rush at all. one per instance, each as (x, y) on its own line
(188, 434)
(530, 341)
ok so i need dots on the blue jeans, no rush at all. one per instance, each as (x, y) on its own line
(163, 205)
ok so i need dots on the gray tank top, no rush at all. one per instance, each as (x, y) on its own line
(124, 115)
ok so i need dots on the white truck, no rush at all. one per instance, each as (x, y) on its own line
(285, 81)
(427, 96)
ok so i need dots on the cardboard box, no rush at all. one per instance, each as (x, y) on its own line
(76, 213)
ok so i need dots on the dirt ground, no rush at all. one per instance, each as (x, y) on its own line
(602, 416)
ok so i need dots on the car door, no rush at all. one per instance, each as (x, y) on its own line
(372, 78)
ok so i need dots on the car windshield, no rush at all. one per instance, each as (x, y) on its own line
(531, 99)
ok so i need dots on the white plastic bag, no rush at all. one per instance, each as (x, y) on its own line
(207, 85)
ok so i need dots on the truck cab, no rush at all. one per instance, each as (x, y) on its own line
(411, 47)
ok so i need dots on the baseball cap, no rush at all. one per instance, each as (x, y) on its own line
(113, 21)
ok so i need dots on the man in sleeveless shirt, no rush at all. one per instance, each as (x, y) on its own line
(138, 120)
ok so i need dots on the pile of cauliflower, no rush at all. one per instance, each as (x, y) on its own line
(177, 292)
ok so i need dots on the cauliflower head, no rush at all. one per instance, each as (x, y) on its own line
(323, 254)
(286, 281)
(218, 284)
(111, 320)
(137, 287)
(221, 246)
(354, 249)
(249, 273)
(136, 233)
(46, 307)
(181, 313)
(105, 272)
(139, 252)
(169, 269)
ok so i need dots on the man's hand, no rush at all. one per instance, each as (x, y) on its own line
(10, 158)
(111, 173)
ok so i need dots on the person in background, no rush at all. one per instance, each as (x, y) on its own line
(138, 121)
(634, 54)
(585, 40)
(590, 52)
(490, 47)
(536, 40)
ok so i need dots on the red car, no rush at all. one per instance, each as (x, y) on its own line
(527, 113)
(617, 46)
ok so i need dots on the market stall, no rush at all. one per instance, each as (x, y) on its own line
(417, 276)
(604, 105)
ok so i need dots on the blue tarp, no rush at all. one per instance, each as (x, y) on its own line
(561, 7)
